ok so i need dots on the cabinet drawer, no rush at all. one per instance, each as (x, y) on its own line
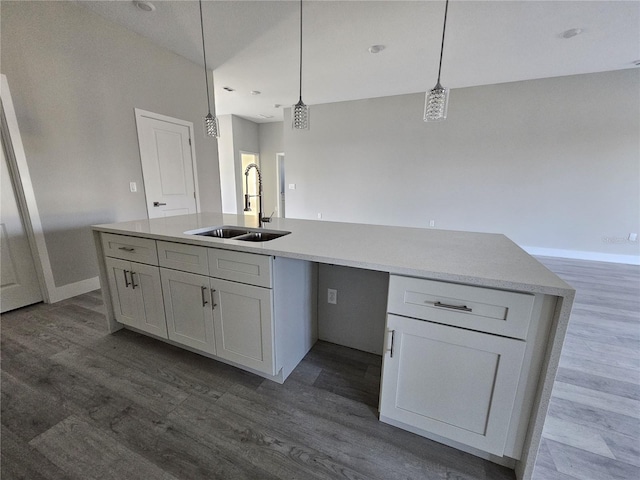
(240, 267)
(475, 308)
(138, 249)
(188, 258)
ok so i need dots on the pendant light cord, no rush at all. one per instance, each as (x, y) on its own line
(204, 56)
(446, 7)
(301, 50)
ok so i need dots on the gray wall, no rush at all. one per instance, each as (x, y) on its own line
(237, 135)
(357, 319)
(245, 139)
(271, 143)
(227, 161)
(75, 80)
(551, 163)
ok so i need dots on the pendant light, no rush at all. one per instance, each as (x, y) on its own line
(211, 128)
(436, 101)
(300, 112)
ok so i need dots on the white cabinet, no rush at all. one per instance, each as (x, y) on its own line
(243, 324)
(136, 295)
(231, 320)
(453, 362)
(451, 382)
(250, 310)
(240, 267)
(136, 249)
(188, 308)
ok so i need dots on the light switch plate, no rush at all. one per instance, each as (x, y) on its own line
(292, 186)
(133, 187)
(332, 296)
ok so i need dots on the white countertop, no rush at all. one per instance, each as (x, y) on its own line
(483, 259)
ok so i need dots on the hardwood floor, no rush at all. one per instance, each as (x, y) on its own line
(78, 403)
(592, 430)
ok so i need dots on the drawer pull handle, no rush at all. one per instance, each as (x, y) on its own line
(127, 249)
(204, 300)
(213, 304)
(133, 282)
(126, 280)
(463, 308)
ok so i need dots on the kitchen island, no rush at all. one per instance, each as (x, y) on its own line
(474, 324)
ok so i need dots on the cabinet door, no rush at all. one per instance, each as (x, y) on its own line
(454, 383)
(243, 323)
(145, 283)
(123, 297)
(187, 303)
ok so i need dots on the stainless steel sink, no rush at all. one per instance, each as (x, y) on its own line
(261, 236)
(221, 232)
(239, 233)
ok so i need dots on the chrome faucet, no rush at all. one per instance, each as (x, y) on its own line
(247, 203)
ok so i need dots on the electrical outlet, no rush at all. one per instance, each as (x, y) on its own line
(319, 216)
(292, 186)
(432, 223)
(332, 296)
(133, 187)
(633, 237)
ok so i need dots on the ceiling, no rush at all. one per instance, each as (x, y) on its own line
(254, 45)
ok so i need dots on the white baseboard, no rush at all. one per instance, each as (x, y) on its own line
(74, 289)
(580, 255)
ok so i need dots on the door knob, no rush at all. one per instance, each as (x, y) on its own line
(157, 204)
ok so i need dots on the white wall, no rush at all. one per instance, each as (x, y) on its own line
(75, 79)
(552, 163)
(271, 143)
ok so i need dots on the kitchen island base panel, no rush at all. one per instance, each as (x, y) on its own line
(278, 378)
(504, 461)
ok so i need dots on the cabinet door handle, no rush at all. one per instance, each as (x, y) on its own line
(463, 308)
(127, 249)
(157, 204)
(213, 299)
(204, 300)
(126, 280)
(393, 335)
(133, 282)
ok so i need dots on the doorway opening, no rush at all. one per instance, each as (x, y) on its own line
(280, 183)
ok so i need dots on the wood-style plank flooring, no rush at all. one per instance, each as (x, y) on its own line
(592, 429)
(78, 403)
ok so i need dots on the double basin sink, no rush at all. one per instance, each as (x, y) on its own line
(239, 233)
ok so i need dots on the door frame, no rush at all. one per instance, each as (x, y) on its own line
(25, 196)
(279, 161)
(139, 113)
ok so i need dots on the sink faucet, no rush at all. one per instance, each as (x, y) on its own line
(247, 203)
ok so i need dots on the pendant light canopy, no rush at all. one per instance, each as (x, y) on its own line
(436, 100)
(211, 128)
(300, 111)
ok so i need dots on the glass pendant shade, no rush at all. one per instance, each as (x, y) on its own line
(436, 103)
(211, 128)
(300, 116)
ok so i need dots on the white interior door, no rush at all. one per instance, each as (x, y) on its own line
(168, 166)
(19, 286)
